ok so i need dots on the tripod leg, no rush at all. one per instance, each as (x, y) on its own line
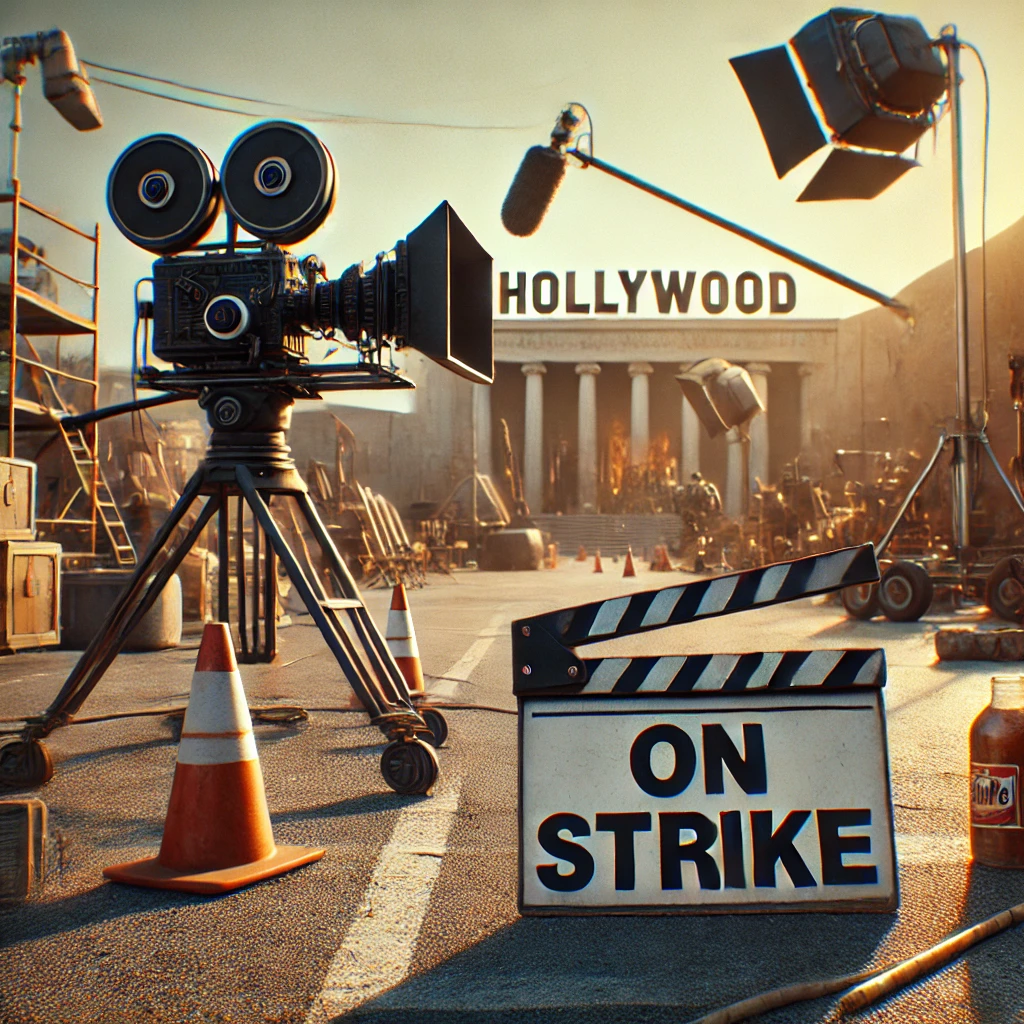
(136, 599)
(240, 584)
(365, 684)
(269, 601)
(912, 494)
(224, 557)
(256, 617)
(1002, 475)
(366, 629)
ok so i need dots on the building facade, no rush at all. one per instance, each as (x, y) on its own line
(574, 392)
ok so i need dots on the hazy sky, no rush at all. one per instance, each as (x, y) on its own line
(654, 75)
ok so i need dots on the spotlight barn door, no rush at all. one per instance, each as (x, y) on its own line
(450, 301)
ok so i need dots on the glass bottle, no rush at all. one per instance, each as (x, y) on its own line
(997, 764)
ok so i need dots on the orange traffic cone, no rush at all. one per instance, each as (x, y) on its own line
(401, 640)
(217, 834)
(597, 562)
(628, 569)
(581, 555)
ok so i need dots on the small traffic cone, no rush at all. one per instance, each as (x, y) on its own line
(401, 640)
(581, 555)
(597, 561)
(628, 569)
(217, 834)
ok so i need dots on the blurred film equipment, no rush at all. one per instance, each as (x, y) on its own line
(231, 323)
(879, 83)
(721, 394)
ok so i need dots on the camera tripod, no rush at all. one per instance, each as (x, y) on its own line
(248, 458)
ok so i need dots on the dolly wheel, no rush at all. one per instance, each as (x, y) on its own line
(25, 764)
(905, 592)
(437, 724)
(861, 601)
(1003, 593)
(409, 766)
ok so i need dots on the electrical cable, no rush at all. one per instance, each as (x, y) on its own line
(305, 114)
(874, 983)
(282, 713)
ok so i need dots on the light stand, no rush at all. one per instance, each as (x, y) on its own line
(965, 438)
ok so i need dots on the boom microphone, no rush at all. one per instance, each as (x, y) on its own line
(532, 190)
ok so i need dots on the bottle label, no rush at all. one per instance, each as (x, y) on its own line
(994, 795)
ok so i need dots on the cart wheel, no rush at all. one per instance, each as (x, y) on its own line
(25, 764)
(409, 767)
(905, 592)
(437, 724)
(1003, 594)
(861, 602)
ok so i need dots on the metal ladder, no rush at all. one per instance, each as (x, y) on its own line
(108, 514)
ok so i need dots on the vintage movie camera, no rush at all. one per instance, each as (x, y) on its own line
(245, 307)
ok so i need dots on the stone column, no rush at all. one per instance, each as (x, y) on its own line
(639, 420)
(806, 371)
(482, 425)
(691, 438)
(735, 486)
(758, 461)
(533, 436)
(586, 472)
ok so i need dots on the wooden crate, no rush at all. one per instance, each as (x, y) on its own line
(22, 847)
(30, 592)
(17, 499)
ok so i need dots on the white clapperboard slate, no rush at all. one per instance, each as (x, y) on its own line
(703, 783)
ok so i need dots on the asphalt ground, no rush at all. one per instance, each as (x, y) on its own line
(319, 943)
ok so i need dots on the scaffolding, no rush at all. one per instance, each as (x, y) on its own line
(88, 520)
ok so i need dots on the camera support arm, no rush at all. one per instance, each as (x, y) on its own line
(83, 419)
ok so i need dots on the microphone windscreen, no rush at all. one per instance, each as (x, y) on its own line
(532, 190)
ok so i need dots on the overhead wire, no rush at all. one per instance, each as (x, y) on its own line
(305, 113)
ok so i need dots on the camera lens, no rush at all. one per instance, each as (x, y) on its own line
(156, 189)
(272, 176)
(226, 317)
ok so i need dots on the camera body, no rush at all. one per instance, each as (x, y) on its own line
(232, 310)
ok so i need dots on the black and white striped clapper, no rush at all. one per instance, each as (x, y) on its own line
(702, 781)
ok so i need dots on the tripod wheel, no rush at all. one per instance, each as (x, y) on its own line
(861, 601)
(437, 724)
(905, 592)
(409, 767)
(25, 764)
(1003, 591)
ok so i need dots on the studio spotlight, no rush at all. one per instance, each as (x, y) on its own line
(876, 80)
(721, 394)
(65, 81)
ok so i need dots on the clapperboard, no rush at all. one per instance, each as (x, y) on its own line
(702, 782)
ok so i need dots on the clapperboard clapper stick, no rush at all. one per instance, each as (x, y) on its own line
(703, 782)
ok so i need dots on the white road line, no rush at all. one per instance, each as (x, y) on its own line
(914, 848)
(378, 947)
(461, 670)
